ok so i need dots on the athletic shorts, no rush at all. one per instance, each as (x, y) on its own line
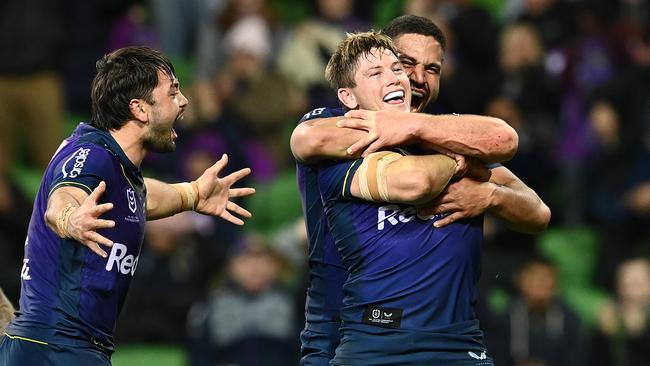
(318, 342)
(366, 345)
(19, 351)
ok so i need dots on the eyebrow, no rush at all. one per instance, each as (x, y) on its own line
(369, 70)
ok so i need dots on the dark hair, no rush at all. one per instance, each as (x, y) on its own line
(414, 24)
(341, 67)
(122, 75)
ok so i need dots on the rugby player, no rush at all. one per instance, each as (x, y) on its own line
(93, 196)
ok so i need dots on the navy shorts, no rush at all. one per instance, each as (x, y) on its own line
(19, 351)
(365, 345)
(318, 342)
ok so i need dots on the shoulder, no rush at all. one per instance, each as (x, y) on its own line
(323, 112)
(73, 160)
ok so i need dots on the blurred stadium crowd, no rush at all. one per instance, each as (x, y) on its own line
(572, 77)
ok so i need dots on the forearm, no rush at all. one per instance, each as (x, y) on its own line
(163, 199)
(404, 179)
(60, 205)
(519, 207)
(318, 139)
(485, 138)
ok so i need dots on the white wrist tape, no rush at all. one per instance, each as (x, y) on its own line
(189, 192)
(373, 184)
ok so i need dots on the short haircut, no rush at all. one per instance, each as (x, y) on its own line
(413, 24)
(343, 64)
(122, 75)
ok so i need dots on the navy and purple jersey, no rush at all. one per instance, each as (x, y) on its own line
(403, 272)
(70, 294)
(326, 272)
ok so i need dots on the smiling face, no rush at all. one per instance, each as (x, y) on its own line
(422, 57)
(380, 83)
(168, 106)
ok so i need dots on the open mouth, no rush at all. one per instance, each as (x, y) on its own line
(394, 97)
(417, 98)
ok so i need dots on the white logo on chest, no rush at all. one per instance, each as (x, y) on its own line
(394, 214)
(125, 264)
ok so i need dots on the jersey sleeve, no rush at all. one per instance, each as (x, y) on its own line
(84, 168)
(335, 179)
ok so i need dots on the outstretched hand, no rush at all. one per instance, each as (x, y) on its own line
(215, 193)
(84, 222)
(386, 128)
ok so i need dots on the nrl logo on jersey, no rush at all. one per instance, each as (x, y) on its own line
(133, 205)
(73, 165)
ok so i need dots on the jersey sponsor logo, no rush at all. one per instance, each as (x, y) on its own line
(130, 197)
(395, 214)
(77, 161)
(383, 317)
(125, 264)
(24, 272)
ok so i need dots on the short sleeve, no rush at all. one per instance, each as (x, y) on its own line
(83, 167)
(335, 179)
(323, 112)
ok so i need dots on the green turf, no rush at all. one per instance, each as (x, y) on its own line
(145, 355)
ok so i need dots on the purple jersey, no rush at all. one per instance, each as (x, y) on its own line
(68, 292)
(326, 272)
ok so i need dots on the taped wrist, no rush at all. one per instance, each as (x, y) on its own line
(189, 192)
(373, 184)
(63, 219)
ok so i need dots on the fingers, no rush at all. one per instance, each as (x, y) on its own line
(96, 193)
(375, 146)
(241, 192)
(101, 209)
(233, 207)
(356, 113)
(354, 123)
(104, 224)
(220, 164)
(95, 248)
(229, 217)
(234, 177)
(361, 144)
(448, 219)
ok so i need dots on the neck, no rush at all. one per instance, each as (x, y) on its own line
(129, 137)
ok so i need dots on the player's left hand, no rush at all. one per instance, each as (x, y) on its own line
(215, 193)
(463, 198)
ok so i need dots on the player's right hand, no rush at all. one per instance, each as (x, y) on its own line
(84, 222)
(386, 128)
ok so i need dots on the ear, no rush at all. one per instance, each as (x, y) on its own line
(139, 110)
(347, 98)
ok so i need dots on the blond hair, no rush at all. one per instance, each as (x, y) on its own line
(343, 64)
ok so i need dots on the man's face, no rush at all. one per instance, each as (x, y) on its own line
(168, 107)
(381, 83)
(422, 58)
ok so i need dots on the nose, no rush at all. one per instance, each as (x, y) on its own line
(182, 100)
(417, 74)
(392, 78)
